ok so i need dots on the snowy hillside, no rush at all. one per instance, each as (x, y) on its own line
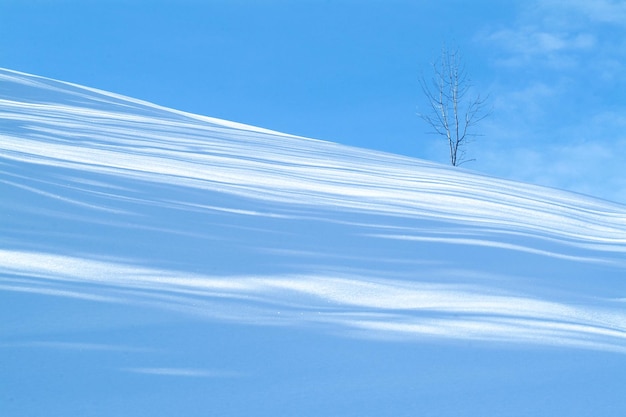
(155, 262)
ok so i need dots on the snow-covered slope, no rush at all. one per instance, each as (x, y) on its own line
(155, 262)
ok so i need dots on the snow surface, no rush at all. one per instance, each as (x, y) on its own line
(155, 262)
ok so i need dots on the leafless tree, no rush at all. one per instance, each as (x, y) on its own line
(454, 109)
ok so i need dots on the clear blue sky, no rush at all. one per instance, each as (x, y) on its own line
(348, 70)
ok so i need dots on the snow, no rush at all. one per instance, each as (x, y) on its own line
(156, 262)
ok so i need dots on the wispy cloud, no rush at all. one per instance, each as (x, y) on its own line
(588, 164)
(558, 96)
(602, 11)
(539, 46)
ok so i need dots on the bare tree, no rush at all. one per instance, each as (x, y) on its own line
(454, 110)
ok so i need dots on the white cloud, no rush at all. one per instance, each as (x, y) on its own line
(557, 34)
(603, 11)
(588, 166)
(525, 103)
(538, 46)
(540, 41)
(558, 97)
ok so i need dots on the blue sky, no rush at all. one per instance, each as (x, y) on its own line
(348, 71)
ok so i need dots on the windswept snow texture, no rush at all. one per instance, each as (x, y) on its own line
(154, 262)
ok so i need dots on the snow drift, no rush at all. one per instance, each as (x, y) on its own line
(111, 201)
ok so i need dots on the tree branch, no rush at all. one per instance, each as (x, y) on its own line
(453, 112)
